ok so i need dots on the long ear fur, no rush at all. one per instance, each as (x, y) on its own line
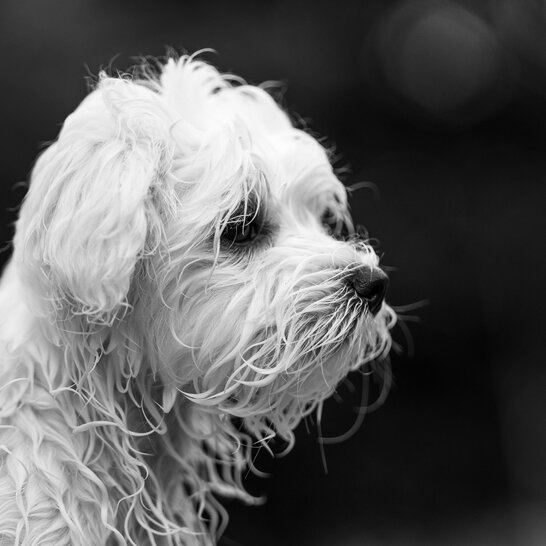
(85, 219)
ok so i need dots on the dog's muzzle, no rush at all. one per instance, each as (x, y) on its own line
(370, 284)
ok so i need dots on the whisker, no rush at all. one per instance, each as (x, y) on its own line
(411, 306)
(408, 337)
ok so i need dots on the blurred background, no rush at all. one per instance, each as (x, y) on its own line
(441, 107)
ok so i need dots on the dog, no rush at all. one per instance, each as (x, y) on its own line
(186, 284)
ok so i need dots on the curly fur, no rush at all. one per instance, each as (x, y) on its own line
(141, 356)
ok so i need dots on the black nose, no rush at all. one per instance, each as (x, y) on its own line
(371, 285)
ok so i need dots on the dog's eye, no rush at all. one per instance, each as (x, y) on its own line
(334, 225)
(330, 221)
(241, 232)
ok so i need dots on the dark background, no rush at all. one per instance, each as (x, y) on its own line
(442, 106)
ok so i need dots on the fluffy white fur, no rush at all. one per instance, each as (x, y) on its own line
(141, 354)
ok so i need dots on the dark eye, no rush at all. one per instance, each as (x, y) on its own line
(241, 232)
(330, 221)
(334, 225)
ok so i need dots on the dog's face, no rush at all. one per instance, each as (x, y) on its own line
(222, 235)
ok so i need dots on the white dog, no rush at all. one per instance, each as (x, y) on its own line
(181, 289)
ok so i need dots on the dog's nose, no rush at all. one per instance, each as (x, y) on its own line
(370, 283)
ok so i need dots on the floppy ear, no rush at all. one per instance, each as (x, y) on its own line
(85, 219)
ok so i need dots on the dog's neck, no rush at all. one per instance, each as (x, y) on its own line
(160, 468)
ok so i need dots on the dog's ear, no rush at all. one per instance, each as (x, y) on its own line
(84, 222)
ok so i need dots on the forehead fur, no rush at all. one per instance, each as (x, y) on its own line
(221, 112)
(232, 140)
(202, 96)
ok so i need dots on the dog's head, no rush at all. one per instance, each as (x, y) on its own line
(189, 211)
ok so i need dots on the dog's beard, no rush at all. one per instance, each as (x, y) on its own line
(271, 348)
